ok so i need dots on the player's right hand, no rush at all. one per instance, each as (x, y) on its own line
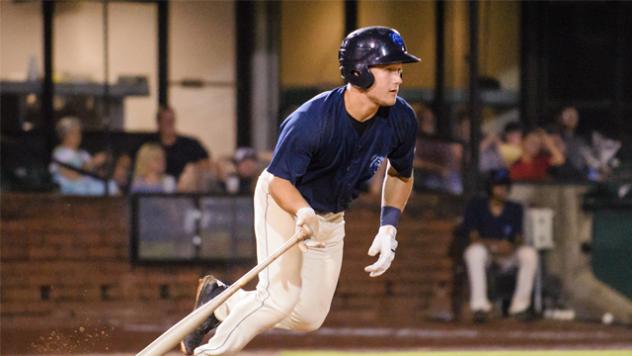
(307, 220)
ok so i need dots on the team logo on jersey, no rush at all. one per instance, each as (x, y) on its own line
(376, 162)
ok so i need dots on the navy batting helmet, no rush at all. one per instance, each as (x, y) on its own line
(370, 46)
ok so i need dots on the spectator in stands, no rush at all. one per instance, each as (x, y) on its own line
(427, 119)
(180, 150)
(539, 154)
(149, 172)
(462, 130)
(433, 159)
(510, 147)
(436, 166)
(489, 155)
(239, 176)
(493, 225)
(573, 146)
(74, 169)
(601, 158)
(122, 172)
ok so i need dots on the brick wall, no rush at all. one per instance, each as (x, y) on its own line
(402, 295)
(65, 262)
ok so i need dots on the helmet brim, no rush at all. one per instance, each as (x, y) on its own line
(397, 58)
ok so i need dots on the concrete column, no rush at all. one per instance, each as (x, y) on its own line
(265, 75)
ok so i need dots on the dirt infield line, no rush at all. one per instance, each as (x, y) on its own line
(413, 353)
(465, 353)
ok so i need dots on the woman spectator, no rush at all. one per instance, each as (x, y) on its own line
(149, 173)
(539, 154)
(67, 155)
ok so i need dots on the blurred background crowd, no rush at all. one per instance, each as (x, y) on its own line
(162, 162)
(168, 161)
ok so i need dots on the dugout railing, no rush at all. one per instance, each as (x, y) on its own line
(187, 228)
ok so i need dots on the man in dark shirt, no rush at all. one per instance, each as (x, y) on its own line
(494, 227)
(180, 150)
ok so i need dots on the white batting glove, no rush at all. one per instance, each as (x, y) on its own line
(385, 244)
(307, 220)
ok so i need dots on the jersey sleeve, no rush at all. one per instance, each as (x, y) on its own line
(297, 143)
(471, 217)
(193, 149)
(199, 151)
(401, 158)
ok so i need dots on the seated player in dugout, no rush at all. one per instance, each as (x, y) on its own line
(494, 227)
(326, 149)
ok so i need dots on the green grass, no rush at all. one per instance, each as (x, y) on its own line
(464, 353)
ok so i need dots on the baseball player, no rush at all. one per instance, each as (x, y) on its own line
(493, 225)
(326, 149)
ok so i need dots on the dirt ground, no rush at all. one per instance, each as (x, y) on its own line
(497, 334)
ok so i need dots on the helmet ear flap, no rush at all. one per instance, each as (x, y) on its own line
(360, 76)
(368, 78)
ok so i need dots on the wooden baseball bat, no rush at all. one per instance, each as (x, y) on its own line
(172, 337)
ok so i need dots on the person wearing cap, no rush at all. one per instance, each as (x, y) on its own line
(326, 150)
(493, 225)
(246, 169)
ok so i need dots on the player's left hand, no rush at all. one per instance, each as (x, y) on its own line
(385, 244)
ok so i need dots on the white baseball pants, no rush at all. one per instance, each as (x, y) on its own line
(294, 292)
(478, 258)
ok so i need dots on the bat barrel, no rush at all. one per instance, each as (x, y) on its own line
(172, 337)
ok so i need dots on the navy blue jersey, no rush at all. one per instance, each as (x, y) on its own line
(327, 159)
(479, 218)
